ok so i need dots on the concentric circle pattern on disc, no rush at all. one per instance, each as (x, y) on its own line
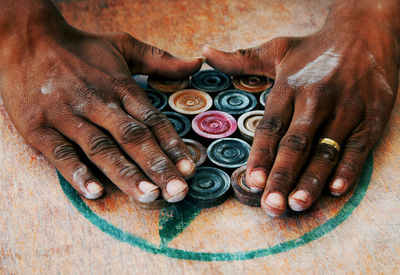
(229, 152)
(211, 81)
(157, 99)
(180, 122)
(190, 101)
(252, 83)
(214, 124)
(235, 102)
(208, 187)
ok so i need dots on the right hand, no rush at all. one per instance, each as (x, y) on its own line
(69, 91)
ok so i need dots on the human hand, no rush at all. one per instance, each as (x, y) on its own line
(70, 92)
(339, 83)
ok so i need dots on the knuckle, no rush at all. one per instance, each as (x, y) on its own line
(132, 131)
(282, 180)
(155, 118)
(129, 171)
(271, 125)
(159, 165)
(246, 52)
(99, 144)
(310, 182)
(326, 153)
(296, 142)
(64, 152)
(123, 84)
(356, 146)
(158, 53)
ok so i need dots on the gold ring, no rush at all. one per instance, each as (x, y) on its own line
(330, 142)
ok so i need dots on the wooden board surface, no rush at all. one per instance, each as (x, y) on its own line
(46, 228)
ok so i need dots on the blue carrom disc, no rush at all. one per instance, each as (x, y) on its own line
(211, 81)
(180, 122)
(263, 97)
(208, 187)
(235, 102)
(229, 152)
(157, 99)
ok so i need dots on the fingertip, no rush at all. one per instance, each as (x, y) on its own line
(94, 190)
(257, 178)
(186, 167)
(150, 192)
(338, 187)
(299, 200)
(274, 205)
(176, 190)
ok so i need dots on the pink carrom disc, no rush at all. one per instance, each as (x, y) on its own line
(214, 124)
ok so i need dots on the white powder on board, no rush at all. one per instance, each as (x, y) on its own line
(316, 70)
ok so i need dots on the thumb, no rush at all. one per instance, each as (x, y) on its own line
(146, 59)
(260, 60)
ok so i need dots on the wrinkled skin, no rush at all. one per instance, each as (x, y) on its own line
(70, 93)
(339, 83)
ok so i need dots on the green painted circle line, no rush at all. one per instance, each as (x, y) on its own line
(143, 244)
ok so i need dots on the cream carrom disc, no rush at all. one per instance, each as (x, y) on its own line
(190, 102)
(247, 124)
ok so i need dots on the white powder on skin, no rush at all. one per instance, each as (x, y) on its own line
(380, 75)
(47, 88)
(315, 71)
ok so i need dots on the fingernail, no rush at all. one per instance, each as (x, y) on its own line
(337, 187)
(149, 190)
(299, 200)
(186, 167)
(175, 189)
(258, 177)
(95, 190)
(275, 200)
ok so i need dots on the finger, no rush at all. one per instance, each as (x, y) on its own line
(293, 152)
(106, 155)
(146, 59)
(161, 128)
(67, 161)
(324, 159)
(270, 130)
(261, 60)
(355, 153)
(138, 142)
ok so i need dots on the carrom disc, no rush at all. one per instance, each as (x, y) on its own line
(167, 85)
(214, 124)
(159, 100)
(247, 124)
(197, 151)
(235, 102)
(263, 97)
(252, 83)
(180, 122)
(211, 81)
(190, 102)
(159, 203)
(208, 187)
(229, 152)
(241, 191)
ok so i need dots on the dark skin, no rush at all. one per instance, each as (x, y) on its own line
(69, 91)
(338, 83)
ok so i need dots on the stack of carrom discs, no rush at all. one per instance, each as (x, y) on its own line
(204, 109)
(241, 191)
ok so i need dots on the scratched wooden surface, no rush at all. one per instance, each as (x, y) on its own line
(43, 232)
